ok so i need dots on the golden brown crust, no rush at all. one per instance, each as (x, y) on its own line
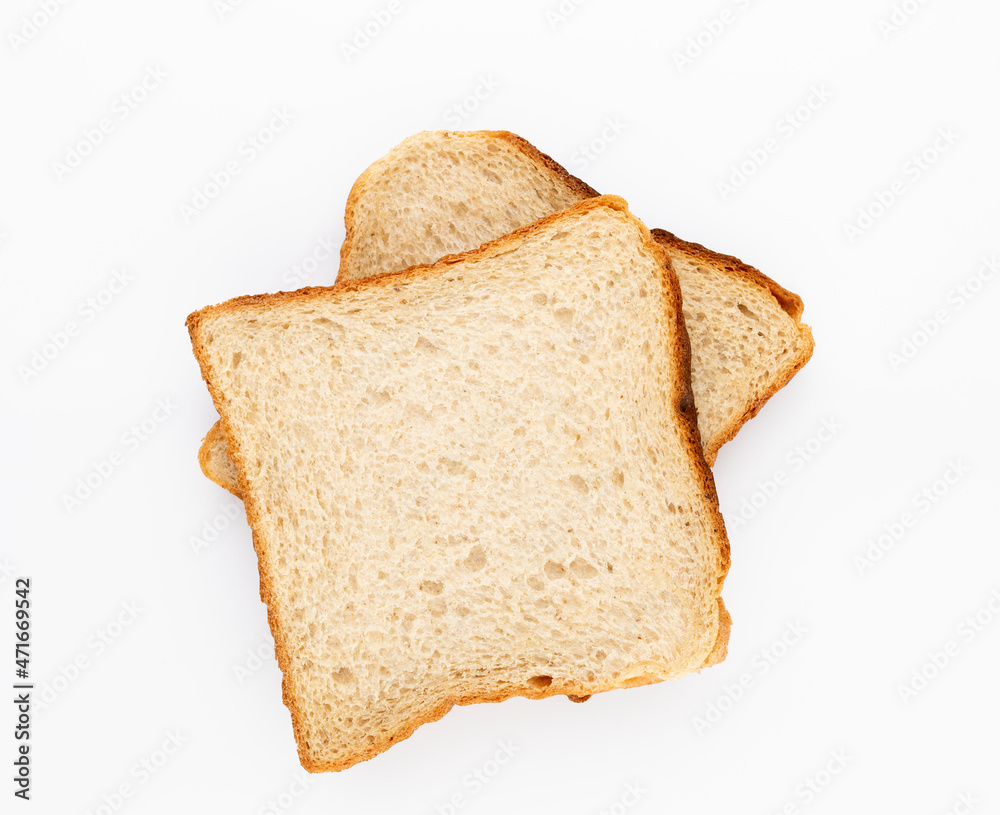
(790, 302)
(571, 181)
(208, 445)
(687, 411)
(721, 648)
(681, 399)
(778, 381)
(208, 458)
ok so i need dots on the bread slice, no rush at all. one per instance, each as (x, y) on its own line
(444, 192)
(473, 480)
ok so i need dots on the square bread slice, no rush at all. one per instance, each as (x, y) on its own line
(473, 480)
(444, 192)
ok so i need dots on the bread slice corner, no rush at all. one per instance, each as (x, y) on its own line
(747, 336)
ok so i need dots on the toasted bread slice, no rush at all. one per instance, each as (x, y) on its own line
(473, 480)
(444, 192)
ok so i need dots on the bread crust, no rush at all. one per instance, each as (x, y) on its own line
(208, 456)
(721, 649)
(681, 399)
(790, 302)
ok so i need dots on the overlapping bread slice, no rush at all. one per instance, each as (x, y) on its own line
(473, 480)
(442, 192)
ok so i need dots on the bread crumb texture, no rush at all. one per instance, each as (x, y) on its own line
(472, 481)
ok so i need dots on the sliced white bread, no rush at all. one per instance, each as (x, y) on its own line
(473, 480)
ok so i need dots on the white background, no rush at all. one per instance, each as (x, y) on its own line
(680, 131)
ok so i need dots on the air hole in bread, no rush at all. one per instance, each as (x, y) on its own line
(554, 570)
(540, 682)
(476, 559)
(582, 569)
